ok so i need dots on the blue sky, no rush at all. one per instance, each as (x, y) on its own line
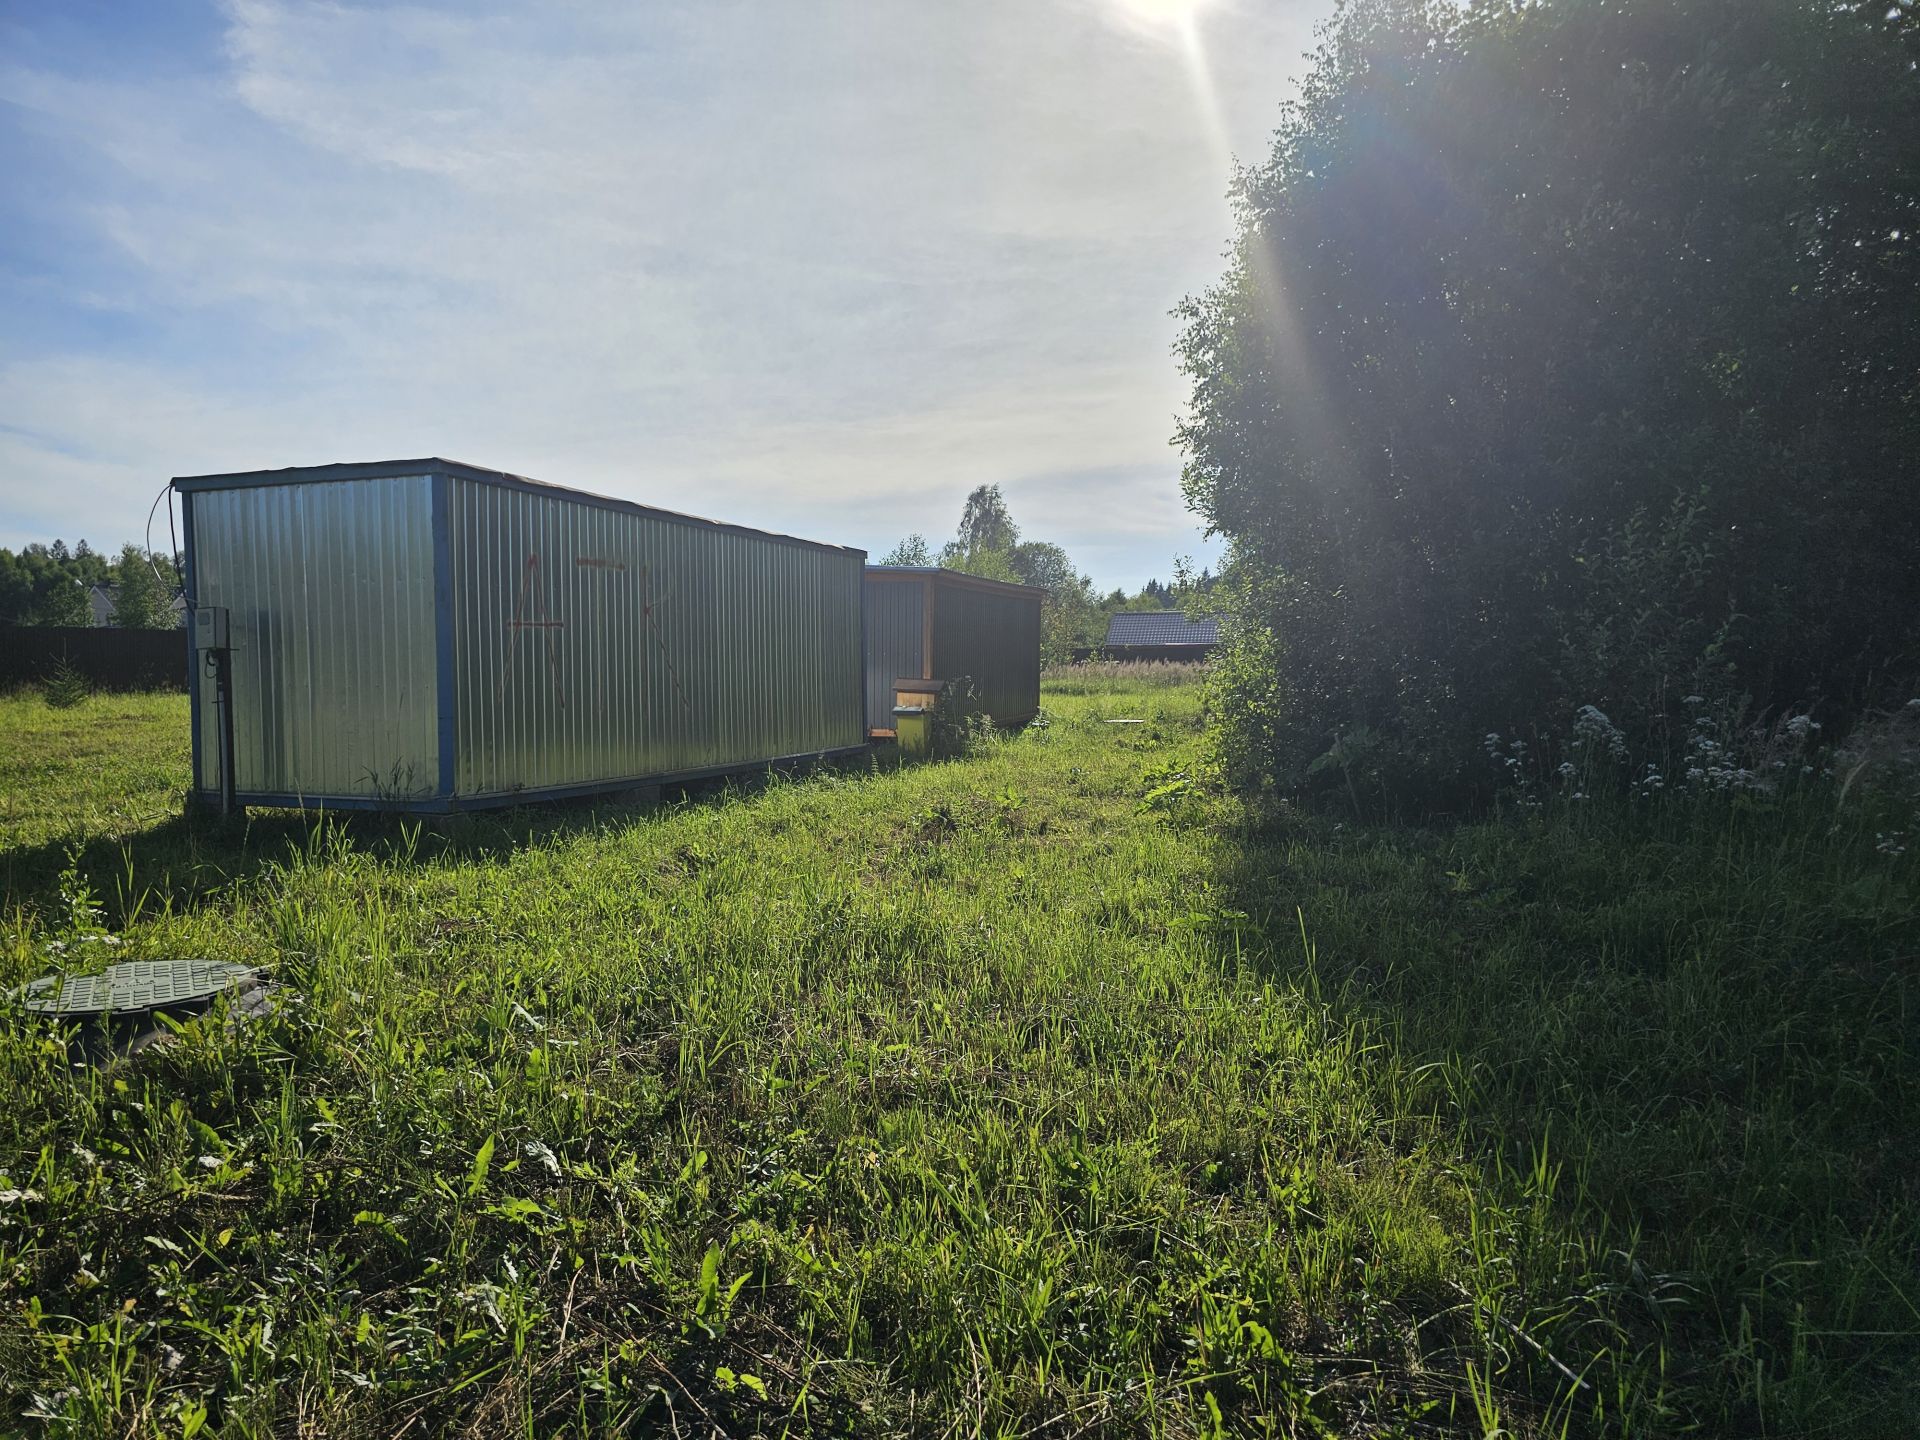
(819, 266)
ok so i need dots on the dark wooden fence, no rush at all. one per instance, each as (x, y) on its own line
(111, 659)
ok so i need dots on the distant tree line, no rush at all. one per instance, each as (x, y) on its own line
(1567, 356)
(987, 543)
(1194, 594)
(50, 585)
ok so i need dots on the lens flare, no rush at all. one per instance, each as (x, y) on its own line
(1178, 22)
(1165, 14)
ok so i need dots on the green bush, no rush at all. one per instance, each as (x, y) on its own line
(1555, 366)
(1641, 626)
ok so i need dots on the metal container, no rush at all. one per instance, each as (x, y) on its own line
(430, 636)
(942, 625)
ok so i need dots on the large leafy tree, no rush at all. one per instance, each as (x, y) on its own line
(47, 584)
(986, 527)
(1567, 355)
(139, 600)
(913, 550)
(61, 600)
(987, 543)
(1072, 615)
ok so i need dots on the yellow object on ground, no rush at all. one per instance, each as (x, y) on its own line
(913, 729)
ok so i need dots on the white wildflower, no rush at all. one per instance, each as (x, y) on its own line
(1593, 731)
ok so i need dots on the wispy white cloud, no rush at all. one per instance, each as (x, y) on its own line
(819, 267)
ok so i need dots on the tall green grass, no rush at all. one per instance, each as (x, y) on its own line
(1045, 1091)
(107, 766)
(1107, 677)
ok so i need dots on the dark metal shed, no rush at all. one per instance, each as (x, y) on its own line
(933, 624)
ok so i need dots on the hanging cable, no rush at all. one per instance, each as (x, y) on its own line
(173, 539)
(164, 491)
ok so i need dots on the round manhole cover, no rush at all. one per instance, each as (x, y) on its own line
(133, 986)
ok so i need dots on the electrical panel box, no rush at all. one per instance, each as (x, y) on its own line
(210, 627)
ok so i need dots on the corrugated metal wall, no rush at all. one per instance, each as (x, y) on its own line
(896, 618)
(994, 637)
(594, 644)
(329, 589)
(990, 635)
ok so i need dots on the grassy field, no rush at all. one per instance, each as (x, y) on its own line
(1047, 1091)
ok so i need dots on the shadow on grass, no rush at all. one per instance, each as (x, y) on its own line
(191, 859)
(181, 862)
(1680, 1047)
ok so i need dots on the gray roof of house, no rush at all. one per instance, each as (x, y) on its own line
(1163, 627)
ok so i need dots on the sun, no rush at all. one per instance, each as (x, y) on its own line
(1163, 14)
(1176, 24)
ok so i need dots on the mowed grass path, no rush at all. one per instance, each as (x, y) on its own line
(1039, 1092)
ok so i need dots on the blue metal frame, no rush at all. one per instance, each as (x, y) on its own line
(190, 586)
(860, 604)
(455, 805)
(443, 629)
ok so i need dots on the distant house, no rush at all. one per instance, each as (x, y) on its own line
(100, 599)
(1161, 635)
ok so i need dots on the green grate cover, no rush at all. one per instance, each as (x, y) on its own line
(136, 985)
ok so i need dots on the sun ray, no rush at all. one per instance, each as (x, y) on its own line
(1166, 13)
(1180, 22)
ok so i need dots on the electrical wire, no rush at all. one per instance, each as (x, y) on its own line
(174, 540)
(174, 558)
(149, 536)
